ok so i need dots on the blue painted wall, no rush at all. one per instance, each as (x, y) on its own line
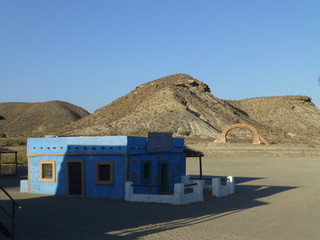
(116, 190)
(92, 149)
(138, 154)
(77, 145)
(176, 169)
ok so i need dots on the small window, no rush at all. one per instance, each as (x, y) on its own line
(146, 171)
(47, 171)
(104, 172)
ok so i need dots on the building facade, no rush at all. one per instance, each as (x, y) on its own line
(99, 167)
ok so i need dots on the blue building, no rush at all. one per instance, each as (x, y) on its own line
(99, 167)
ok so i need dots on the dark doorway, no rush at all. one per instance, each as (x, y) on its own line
(75, 178)
(163, 177)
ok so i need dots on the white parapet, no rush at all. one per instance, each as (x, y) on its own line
(220, 190)
(185, 179)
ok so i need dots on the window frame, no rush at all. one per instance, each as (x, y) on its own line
(97, 172)
(41, 164)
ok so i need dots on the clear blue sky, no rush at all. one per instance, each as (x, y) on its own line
(91, 52)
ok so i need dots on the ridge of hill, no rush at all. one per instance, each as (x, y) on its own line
(184, 105)
(36, 119)
(177, 103)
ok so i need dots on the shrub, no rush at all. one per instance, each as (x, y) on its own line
(184, 132)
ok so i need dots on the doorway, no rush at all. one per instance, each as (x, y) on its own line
(75, 177)
(163, 177)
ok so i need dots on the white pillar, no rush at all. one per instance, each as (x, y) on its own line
(178, 193)
(128, 191)
(232, 184)
(199, 189)
(216, 185)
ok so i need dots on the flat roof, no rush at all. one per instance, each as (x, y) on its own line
(192, 153)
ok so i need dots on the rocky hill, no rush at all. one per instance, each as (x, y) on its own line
(36, 119)
(295, 116)
(184, 105)
(178, 103)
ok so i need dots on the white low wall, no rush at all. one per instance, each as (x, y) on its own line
(215, 186)
(219, 190)
(179, 196)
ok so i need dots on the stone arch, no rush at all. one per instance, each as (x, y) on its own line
(257, 138)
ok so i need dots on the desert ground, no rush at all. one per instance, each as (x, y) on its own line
(276, 198)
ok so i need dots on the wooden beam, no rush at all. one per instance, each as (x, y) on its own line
(200, 166)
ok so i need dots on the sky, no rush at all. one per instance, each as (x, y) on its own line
(91, 52)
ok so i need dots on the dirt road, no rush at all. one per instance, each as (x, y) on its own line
(276, 198)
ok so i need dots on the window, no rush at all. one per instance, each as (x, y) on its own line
(47, 171)
(104, 172)
(146, 171)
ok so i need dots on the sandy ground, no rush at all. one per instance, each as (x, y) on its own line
(276, 198)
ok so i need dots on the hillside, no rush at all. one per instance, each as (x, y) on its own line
(178, 103)
(36, 119)
(184, 105)
(296, 116)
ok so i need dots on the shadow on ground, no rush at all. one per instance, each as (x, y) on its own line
(58, 217)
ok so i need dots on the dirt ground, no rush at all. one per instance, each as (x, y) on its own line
(276, 198)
